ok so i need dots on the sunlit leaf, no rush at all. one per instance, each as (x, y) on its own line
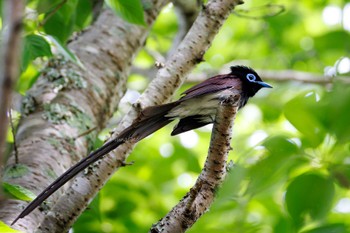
(83, 14)
(27, 79)
(47, 5)
(7, 229)
(61, 22)
(18, 191)
(129, 10)
(34, 46)
(280, 145)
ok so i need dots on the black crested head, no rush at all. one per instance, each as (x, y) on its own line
(251, 82)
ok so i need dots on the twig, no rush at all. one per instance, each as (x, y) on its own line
(85, 133)
(157, 56)
(49, 15)
(198, 200)
(186, 12)
(13, 131)
(275, 9)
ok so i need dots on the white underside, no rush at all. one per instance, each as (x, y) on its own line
(205, 105)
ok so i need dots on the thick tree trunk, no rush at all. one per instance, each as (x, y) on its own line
(67, 100)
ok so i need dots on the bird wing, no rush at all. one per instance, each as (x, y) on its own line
(211, 85)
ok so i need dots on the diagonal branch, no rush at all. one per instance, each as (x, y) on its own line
(198, 200)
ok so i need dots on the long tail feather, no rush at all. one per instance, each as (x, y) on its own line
(69, 174)
(152, 120)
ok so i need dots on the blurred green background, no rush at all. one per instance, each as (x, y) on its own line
(290, 144)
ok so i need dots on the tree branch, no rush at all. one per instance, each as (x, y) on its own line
(198, 200)
(278, 76)
(9, 65)
(168, 79)
(304, 77)
(186, 12)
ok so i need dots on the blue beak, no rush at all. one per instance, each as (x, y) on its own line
(263, 84)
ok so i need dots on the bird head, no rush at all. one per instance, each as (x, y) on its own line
(251, 81)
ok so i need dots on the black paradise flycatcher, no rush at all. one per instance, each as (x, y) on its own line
(196, 108)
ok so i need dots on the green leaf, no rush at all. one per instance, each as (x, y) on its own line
(280, 145)
(300, 112)
(18, 192)
(6, 229)
(283, 225)
(83, 14)
(34, 46)
(332, 228)
(129, 10)
(309, 195)
(44, 6)
(61, 23)
(334, 112)
(268, 171)
(27, 78)
(233, 180)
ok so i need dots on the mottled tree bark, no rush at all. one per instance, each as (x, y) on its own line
(198, 200)
(67, 100)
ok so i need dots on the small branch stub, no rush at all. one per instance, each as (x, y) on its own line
(197, 201)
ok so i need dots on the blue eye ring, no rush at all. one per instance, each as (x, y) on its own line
(251, 77)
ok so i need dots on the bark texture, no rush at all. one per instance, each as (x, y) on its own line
(198, 200)
(66, 100)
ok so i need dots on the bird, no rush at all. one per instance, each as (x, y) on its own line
(196, 108)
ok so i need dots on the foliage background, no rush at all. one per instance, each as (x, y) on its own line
(291, 169)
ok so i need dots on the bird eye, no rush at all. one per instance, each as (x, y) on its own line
(251, 77)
